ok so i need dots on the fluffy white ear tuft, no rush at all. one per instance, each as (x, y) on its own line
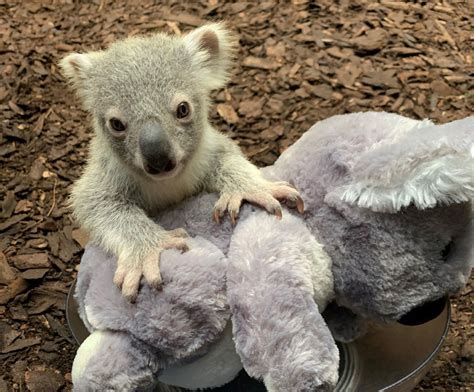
(75, 66)
(446, 180)
(212, 47)
(429, 166)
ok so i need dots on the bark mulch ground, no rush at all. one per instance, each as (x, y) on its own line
(299, 61)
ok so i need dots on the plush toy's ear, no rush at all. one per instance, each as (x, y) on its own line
(212, 47)
(429, 166)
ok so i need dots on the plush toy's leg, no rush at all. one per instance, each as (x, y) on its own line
(279, 332)
(111, 361)
(285, 341)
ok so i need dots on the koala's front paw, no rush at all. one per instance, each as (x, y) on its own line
(129, 272)
(266, 194)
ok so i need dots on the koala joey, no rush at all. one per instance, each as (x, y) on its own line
(153, 146)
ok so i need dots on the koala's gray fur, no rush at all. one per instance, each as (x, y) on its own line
(140, 82)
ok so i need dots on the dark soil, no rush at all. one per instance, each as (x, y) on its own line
(298, 62)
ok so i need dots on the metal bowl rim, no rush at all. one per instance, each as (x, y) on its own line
(430, 357)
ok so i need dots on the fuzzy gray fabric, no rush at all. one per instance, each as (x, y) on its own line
(385, 264)
(138, 364)
(279, 332)
(388, 198)
(189, 314)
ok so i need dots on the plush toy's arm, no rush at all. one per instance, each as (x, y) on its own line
(278, 329)
(183, 318)
(425, 166)
(132, 342)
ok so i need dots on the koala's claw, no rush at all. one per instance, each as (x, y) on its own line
(231, 203)
(127, 277)
(288, 193)
(266, 196)
(128, 282)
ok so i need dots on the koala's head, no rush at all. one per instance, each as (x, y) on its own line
(149, 95)
(402, 199)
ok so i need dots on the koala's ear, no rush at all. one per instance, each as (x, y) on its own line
(76, 66)
(212, 47)
(428, 166)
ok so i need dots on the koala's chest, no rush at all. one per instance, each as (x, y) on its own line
(157, 196)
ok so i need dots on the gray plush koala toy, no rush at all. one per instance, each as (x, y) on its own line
(387, 229)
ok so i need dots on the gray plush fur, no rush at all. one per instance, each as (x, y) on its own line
(141, 82)
(376, 257)
(279, 332)
(159, 320)
(118, 350)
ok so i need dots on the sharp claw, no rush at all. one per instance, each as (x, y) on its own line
(156, 284)
(216, 216)
(131, 298)
(233, 217)
(278, 213)
(300, 205)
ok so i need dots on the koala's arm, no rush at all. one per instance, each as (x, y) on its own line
(236, 179)
(104, 204)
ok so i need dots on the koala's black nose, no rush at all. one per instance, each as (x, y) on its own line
(156, 150)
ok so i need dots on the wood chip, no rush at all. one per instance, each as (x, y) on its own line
(8, 335)
(11, 221)
(37, 168)
(445, 33)
(251, 108)
(228, 113)
(81, 237)
(260, 63)
(15, 287)
(7, 273)
(187, 19)
(374, 39)
(45, 380)
(323, 91)
(32, 260)
(23, 206)
(8, 205)
(443, 89)
(21, 344)
(34, 273)
(41, 304)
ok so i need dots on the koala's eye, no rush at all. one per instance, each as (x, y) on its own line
(183, 110)
(117, 125)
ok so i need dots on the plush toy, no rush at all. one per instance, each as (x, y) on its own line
(387, 230)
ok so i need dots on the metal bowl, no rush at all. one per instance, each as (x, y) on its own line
(391, 358)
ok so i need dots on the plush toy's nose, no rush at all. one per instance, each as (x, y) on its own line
(424, 313)
(156, 150)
